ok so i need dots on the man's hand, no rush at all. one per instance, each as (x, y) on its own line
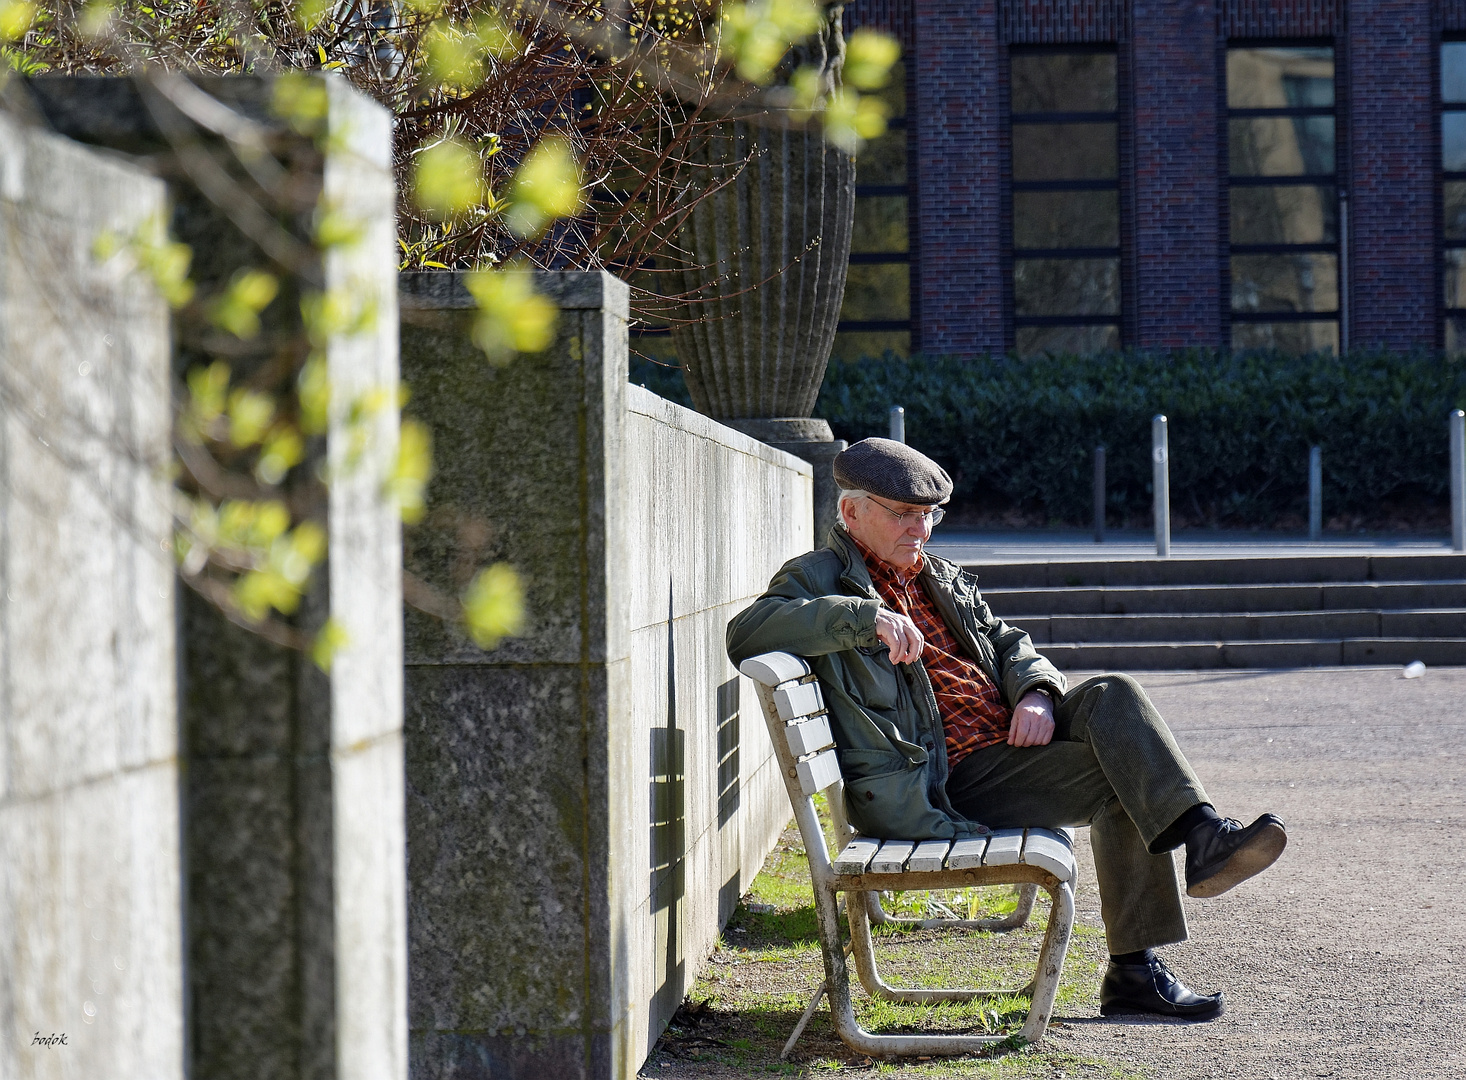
(900, 636)
(1033, 720)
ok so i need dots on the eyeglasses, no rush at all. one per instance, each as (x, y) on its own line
(932, 518)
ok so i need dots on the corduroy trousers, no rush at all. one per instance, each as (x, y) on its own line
(1112, 765)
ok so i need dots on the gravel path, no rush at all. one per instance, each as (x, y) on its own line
(1345, 959)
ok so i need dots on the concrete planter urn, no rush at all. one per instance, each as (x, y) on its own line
(768, 251)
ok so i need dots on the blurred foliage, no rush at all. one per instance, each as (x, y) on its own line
(510, 118)
(551, 135)
(494, 605)
(1023, 432)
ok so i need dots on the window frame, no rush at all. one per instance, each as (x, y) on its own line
(1013, 253)
(903, 125)
(1443, 177)
(1334, 180)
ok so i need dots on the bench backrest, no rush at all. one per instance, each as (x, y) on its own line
(799, 728)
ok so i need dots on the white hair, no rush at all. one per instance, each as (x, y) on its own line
(848, 493)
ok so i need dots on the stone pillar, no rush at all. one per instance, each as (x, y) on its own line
(1178, 177)
(509, 840)
(90, 926)
(587, 801)
(508, 832)
(293, 805)
(1394, 295)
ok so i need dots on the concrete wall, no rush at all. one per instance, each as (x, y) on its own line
(710, 516)
(90, 917)
(292, 825)
(587, 801)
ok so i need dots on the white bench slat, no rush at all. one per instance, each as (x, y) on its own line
(810, 735)
(801, 699)
(1046, 851)
(967, 854)
(818, 772)
(857, 855)
(1004, 848)
(773, 668)
(891, 859)
(929, 855)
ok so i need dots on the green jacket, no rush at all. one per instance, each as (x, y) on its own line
(822, 606)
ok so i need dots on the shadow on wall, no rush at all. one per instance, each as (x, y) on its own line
(669, 842)
(730, 798)
(728, 791)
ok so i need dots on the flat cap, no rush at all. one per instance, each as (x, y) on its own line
(893, 471)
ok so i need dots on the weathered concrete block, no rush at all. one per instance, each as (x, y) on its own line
(293, 822)
(585, 802)
(90, 926)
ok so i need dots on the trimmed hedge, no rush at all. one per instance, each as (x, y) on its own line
(1021, 433)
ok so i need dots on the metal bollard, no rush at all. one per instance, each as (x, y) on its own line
(898, 423)
(1160, 456)
(1315, 493)
(1099, 494)
(1458, 480)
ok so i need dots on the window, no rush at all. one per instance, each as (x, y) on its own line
(1283, 197)
(1066, 201)
(876, 313)
(1453, 191)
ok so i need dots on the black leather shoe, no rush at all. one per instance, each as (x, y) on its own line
(1221, 853)
(1150, 989)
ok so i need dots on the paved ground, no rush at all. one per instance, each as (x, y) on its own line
(1022, 546)
(1347, 959)
(1344, 961)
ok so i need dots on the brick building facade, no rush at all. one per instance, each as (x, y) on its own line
(1078, 174)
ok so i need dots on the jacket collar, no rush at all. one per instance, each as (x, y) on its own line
(856, 575)
(853, 574)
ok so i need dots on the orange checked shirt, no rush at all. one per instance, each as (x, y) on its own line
(969, 703)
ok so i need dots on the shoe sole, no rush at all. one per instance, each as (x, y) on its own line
(1124, 1010)
(1251, 859)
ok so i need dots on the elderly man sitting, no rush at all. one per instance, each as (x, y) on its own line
(948, 722)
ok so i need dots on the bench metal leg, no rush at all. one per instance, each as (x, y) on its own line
(1050, 963)
(868, 970)
(1027, 893)
(1045, 988)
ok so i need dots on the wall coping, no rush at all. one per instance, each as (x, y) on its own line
(573, 290)
(647, 403)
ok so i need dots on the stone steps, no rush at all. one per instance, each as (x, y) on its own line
(1223, 570)
(1247, 611)
(1238, 626)
(1195, 655)
(1197, 599)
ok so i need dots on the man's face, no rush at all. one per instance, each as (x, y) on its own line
(877, 524)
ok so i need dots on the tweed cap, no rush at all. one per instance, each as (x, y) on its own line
(893, 471)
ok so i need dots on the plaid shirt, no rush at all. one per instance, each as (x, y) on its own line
(969, 703)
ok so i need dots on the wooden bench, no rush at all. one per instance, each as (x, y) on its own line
(799, 728)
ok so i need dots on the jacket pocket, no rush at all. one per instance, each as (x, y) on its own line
(890, 804)
(871, 680)
(859, 763)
